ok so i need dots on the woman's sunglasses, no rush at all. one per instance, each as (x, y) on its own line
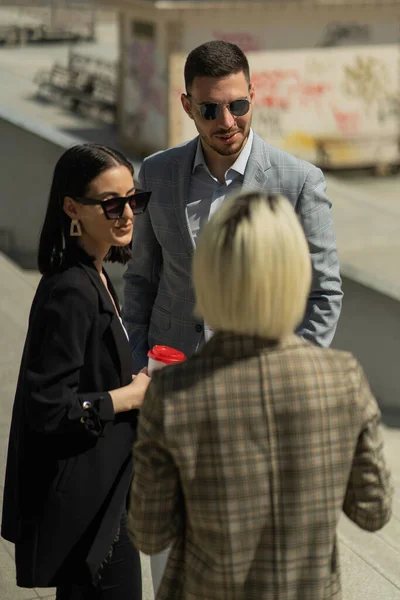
(211, 111)
(114, 207)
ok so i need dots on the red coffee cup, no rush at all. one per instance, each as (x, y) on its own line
(161, 356)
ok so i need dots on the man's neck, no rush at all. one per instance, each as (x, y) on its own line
(218, 164)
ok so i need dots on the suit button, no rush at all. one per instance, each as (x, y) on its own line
(199, 327)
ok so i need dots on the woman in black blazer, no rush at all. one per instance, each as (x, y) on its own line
(69, 460)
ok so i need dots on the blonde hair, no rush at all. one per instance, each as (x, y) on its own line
(252, 267)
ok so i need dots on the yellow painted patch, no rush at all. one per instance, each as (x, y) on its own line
(297, 140)
(340, 151)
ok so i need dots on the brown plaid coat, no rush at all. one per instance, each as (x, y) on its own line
(246, 455)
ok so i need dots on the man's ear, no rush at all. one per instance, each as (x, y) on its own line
(252, 93)
(71, 208)
(187, 107)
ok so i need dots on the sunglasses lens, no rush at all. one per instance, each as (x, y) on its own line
(113, 208)
(210, 111)
(238, 108)
(138, 202)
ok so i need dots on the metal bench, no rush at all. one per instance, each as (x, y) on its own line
(81, 91)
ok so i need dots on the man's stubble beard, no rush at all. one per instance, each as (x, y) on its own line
(226, 151)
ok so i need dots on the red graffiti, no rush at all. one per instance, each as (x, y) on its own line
(283, 88)
(275, 77)
(347, 122)
(272, 102)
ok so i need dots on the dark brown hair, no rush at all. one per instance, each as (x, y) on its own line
(73, 174)
(215, 59)
(241, 210)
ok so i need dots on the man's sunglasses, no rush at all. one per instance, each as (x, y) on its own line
(211, 111)
(114, 207)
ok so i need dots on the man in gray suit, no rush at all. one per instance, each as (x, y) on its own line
(190, 181)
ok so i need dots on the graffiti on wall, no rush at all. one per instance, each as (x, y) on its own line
(145, 101)
(347, 122)
(367, 79)
(284, 88)
(144, 71)
(280, 91)
(321, 107)
(268, 121)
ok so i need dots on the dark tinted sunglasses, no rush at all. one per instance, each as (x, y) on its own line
(211, 111)
(114, 207)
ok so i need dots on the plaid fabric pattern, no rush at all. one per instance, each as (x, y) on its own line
(246, 455)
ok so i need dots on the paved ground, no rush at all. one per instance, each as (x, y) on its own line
(18, 66)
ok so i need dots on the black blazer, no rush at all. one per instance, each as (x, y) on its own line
(68, 468)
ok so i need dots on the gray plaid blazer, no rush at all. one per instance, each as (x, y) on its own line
(159, 297)
(246, 455)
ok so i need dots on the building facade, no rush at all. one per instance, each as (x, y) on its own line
(327, 75)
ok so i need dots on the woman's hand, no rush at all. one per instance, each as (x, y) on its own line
(132, 395)
(139, 387)
(144, 370)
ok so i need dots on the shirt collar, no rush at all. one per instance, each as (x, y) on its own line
(240, 163)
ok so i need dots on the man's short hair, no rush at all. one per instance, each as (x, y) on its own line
(215, 59)
(252, 267)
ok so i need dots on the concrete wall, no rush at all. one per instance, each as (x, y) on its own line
(143, 80)
(369, 327)
(28, 154)
(287, 26)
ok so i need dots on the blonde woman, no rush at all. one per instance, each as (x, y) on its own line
(248, 452)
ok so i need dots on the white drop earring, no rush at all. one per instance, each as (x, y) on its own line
(75, 229)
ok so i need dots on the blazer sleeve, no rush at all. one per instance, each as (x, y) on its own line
(325, 299)
(141, 283)
(155, 516)
(368, 498)
(53, 402)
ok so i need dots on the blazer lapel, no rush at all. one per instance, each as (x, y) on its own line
(122, 343)
(256, 174)
(182, 175)
(122, 352)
